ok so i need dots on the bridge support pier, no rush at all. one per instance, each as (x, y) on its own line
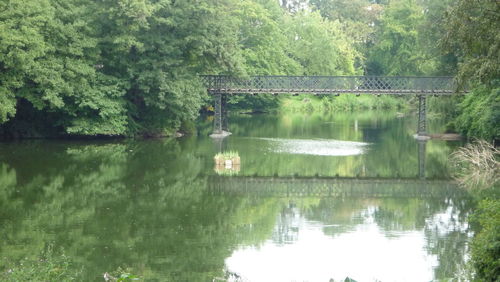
(422, 119)
(220, 117)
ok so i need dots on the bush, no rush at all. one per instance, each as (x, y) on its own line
(486, 244)
(480, 114)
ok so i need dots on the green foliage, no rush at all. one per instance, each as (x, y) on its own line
(320, 46)
(157, 52)
(471, 32)
(396, 50)
(480, 113)
(47, 57)
(358, 18)
(430, 33)
(393, 37)
(263, 39)
(111, 68)
(486, 244)
(257, 103)
(130, 67)
(348, 103)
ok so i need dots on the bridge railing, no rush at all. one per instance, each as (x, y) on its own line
(331, 84)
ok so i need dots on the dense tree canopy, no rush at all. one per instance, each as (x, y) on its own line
(129, 67)
(472, 34)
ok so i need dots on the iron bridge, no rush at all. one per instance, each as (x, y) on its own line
(220, 86)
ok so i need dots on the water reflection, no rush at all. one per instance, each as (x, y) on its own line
(315, 147)
(340, 238)
(364, 255)
(151, 206)
(309, 145)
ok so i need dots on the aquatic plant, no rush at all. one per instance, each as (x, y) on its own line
(227, 163)
(227, 155)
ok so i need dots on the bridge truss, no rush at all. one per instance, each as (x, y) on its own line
(396, 85)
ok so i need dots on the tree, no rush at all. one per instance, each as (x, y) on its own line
(110, 67)
(471, 32)
(320, 46)
(396, 50)
(472, 35)
(264, 48)
(48, 58)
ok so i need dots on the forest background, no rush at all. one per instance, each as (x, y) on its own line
(131, 67)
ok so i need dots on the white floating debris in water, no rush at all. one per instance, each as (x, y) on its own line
(318, 147)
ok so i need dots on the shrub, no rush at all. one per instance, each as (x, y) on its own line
(485, 252)
(480, 114)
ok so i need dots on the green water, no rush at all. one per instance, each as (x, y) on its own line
(315, 198)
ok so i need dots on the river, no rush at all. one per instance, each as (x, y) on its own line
(315, 198)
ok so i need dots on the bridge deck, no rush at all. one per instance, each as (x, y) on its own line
(388, 85)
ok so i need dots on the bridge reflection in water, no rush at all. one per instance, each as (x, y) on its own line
(304, 186)
(333, 187)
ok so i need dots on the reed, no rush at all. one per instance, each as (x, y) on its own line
(476, 165)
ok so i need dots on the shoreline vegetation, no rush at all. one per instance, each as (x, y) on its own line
(477, 168)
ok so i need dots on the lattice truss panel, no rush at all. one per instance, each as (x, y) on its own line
(330, 84)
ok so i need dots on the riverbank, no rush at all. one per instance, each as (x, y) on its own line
(476, 168)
